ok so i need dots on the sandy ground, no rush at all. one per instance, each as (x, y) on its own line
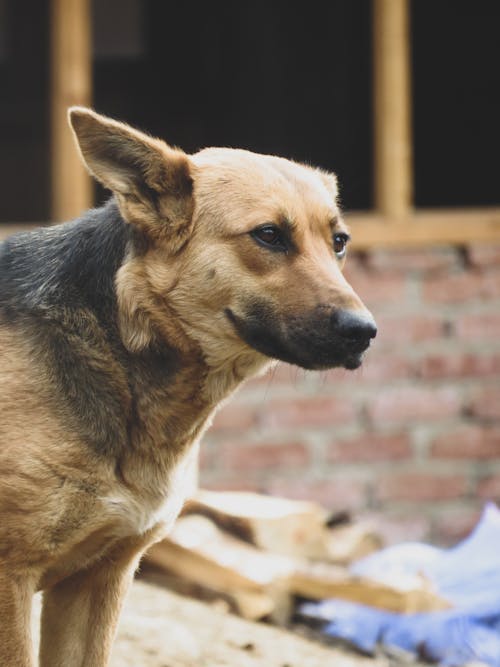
(161, 629)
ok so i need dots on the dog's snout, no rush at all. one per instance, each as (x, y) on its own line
(355, 327)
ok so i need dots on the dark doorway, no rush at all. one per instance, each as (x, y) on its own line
(456, 71)
(274, 77)
(24, 107)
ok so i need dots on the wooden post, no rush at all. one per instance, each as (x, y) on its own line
(71, 84)
(393, 167)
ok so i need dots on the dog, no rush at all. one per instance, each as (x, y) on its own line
(121, 333)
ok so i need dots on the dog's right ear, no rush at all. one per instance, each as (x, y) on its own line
(152, 181)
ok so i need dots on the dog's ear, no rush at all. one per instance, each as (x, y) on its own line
(330, 182)
(152, 181)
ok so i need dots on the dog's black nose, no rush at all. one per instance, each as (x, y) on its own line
(355, 328)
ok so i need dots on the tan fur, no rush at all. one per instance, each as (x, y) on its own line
(73, 523)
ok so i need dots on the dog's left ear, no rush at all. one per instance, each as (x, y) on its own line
(152, 181)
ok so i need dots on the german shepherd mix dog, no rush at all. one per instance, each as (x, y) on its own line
(120, 334)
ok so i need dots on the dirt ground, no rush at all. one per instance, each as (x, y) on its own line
(161, 629)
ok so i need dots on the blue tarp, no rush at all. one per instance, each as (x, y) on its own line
(468, 576)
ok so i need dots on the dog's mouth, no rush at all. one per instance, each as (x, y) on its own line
(315, 342)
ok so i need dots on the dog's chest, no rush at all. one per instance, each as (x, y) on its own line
(135, 511)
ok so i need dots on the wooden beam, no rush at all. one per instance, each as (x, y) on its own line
(393, 170)
(198, 550)
(425, 228)
(71, 83)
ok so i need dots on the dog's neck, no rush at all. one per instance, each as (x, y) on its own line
(225, 378)
(146, 320)
(173, 409)
(182, 400)
(224, 364)
(199, 379)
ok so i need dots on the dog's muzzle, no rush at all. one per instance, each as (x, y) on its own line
(324, 338)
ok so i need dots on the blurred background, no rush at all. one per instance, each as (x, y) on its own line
(402, 100)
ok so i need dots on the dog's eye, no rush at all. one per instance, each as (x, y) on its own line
(340, 244)
(270, 236)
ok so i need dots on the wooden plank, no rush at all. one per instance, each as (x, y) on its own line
(405, 595)
(393, 171)
(198, 550)
(425, 228)
(290, 527)
(250, 602)
(8, 230)
(71, 83)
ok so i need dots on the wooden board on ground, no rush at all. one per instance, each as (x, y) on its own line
(198, 551)
(161, 629)
(291, 527)
(283, 526)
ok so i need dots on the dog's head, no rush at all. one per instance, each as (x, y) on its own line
(244, 251)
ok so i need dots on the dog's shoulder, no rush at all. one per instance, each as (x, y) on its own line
(57, 295)
(71, 265)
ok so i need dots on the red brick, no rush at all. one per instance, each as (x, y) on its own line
(417, 486)
(413, 403)
(370, 447)
(488, 487)
(478, 327)
(491, 283)
(386, 367)
(305, 412)
(458, 364)
(235, 417)
(264, 456)
(397, 528)
(333, 494)
(354, 271)
(468, 442)
(484, 255)
(404, 261)
(375, 367)
(356, 263)
(453, 525)
(462, 287)
(408, 328)
(206, 456)
(280, 374)
(485, 404)
(378, 290)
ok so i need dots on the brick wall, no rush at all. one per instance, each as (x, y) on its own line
(413, 437)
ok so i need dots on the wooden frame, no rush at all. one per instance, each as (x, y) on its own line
(395, 222)
(71, 83)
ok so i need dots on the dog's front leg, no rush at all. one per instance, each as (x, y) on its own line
(16, 593)
(80, 613)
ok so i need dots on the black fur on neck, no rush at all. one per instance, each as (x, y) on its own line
(57, 290)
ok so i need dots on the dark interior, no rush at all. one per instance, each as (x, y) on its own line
(456, 85)
(271, 77)
(24, 111)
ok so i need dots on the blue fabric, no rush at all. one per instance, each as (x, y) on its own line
(468, 576)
